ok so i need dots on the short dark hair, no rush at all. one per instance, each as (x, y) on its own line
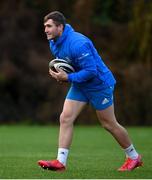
(57, 17)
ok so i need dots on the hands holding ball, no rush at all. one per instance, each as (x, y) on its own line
(59, 69)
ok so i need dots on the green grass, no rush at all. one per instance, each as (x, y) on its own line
(94, 153)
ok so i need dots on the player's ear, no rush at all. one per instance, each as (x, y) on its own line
(60, 26)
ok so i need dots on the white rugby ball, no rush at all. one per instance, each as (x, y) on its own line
(62, 64)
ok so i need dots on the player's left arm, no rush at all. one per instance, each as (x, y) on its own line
(84, 58)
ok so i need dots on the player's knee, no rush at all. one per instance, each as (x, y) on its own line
(109, 126)
(112, 127)
(66, 118)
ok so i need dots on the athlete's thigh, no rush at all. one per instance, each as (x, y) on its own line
(74, 102)
(107, 115)
(72, 108)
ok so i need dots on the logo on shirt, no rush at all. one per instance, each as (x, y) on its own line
(84, 55)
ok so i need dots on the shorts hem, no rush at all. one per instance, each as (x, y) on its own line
(76, 99)
(104, 107)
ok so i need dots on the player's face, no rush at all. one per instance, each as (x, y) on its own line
(52, 30)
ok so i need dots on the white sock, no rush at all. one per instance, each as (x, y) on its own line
(62, 155)
(131, 152)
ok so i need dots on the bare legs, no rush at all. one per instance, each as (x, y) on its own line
(71, 110)
(108, 120)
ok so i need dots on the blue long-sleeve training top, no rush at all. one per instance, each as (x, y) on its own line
(77, 49)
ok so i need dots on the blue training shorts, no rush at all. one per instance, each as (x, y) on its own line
(99, 99)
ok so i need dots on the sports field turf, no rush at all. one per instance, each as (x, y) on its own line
(94, 153)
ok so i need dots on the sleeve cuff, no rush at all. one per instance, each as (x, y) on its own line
(69, 78)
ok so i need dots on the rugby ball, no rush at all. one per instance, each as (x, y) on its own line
(62, 64)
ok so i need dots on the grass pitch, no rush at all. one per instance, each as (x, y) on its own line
(94, 153)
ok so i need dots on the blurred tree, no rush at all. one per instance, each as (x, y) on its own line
(121, 31)
(137, 75)
(141, 31)
(83, 11)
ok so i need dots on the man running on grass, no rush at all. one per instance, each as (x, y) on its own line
(92, 83)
